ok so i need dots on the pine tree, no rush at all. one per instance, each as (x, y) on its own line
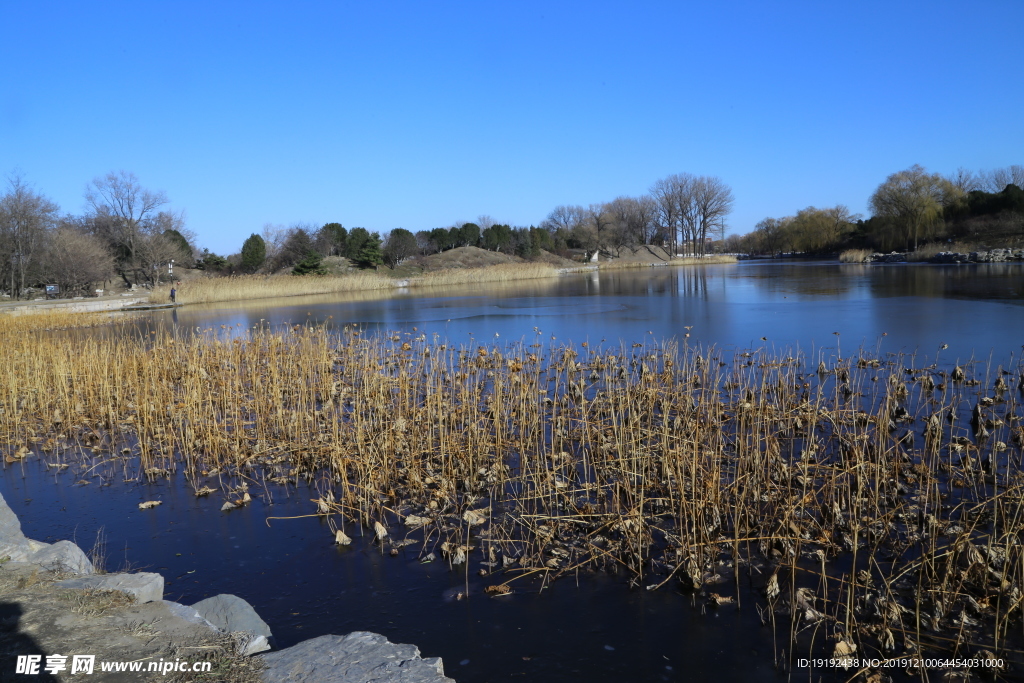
(370, 256)
(310, 265)
(254, 253)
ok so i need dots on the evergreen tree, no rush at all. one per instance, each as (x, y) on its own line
(254, 253)
(496, 238)
(312, 264)
(370, 256)
(182, 245)
(211, 261)
(469, 234)
(357, 238)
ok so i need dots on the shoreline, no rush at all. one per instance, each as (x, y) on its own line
(53, 600)
(154, 299)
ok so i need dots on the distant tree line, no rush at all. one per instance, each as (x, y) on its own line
(127, 233)
(302, 249)
(910, 208)
(682, 212)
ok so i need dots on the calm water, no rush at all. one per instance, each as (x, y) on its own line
(977, 309)
(596, 629)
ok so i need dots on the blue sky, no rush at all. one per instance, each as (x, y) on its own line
(418, 114)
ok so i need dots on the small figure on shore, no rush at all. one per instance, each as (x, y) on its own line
(173, 293)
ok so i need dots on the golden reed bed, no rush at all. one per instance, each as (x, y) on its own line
(864, 502)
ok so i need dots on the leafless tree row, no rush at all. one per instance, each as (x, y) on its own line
(125, 233)
(681, 213)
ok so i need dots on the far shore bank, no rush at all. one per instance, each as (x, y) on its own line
(248, 287)
(253, 287)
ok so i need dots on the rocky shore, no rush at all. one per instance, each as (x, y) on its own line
(57, 612)
(990, 256)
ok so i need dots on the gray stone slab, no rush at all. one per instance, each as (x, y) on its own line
(231, 613)
(359, 657)
(13, 543)
(62, 556)
(145, 586)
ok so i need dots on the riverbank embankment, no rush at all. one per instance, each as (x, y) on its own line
(251, 287)
(62, 617)
(77, 305)
(987, 256)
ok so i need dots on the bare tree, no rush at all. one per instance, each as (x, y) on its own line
(566, 218)
(484, 222)
(673, 200)
(997, 179)
(965, 180)
(274, 237)
(25, 218)
(711, 202)
(840, 222)
(636, 218)
(692, 208)
(127, 216)
(76, 261)
(599, 228)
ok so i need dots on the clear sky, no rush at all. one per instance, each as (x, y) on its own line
(418, 114)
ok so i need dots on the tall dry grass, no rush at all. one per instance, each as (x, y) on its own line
(838, 490)
(705, 260)
(238, 288)
(21, 322)
(710, 259)
(927, 251)
(855, 256)
(509, 272)
(241, 287)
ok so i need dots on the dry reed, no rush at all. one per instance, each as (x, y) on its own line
(876, 504)
(52, 319)
(927, 251)
(704, 260)
(710, 259)
(855, 256)
(497, 273)
(241, 287)
(238, 288)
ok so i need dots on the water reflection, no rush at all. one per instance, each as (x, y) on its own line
(304, 585)
(974, 308)
(984, 281)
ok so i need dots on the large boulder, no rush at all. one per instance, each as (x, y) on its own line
(62, 556)
(14, 547)
(144, 586)
(13, 543)
(359, 657)
(232, 614)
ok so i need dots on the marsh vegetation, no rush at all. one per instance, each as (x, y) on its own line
(246, 287)
(866, 502)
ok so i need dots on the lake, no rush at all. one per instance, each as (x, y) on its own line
(975, 309)
(595, 628)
